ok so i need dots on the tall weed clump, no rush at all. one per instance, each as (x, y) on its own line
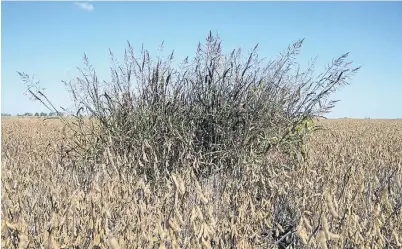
(218, 108)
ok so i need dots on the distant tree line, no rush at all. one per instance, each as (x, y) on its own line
(36, 114)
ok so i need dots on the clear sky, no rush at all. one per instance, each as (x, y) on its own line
(48, 39)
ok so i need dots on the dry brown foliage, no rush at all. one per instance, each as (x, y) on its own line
(347, 194)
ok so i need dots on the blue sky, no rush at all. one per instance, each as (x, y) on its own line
(49, 39)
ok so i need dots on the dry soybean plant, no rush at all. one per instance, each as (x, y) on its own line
(220, 152)
(345, 195)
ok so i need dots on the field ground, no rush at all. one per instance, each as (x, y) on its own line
(348, 191)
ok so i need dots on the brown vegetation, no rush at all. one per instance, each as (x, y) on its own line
(347, 194)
